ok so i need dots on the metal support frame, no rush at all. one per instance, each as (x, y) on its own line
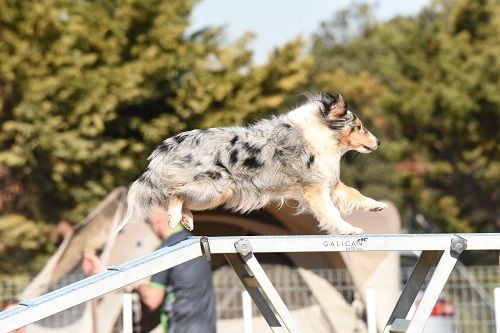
(240, 254)
(413, 286)
(397, 322)
(260, 288)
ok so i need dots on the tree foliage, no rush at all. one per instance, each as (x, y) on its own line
(88, 88)
(432, 81)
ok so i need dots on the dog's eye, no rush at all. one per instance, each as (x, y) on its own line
(358, 128)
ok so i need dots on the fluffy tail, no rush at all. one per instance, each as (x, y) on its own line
(142, 196)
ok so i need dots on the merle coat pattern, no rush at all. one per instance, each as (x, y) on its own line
(294, 156)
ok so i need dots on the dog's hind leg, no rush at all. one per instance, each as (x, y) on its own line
(187, 219)
(174, 211)
(203, 197)
(320, 203)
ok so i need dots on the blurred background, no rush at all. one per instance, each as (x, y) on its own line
(89, 88)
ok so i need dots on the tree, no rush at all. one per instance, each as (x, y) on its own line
(437, 75)
(89, 88)
(343, 54)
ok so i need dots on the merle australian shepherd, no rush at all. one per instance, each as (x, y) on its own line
(294, 156)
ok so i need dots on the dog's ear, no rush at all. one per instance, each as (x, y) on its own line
(334, 106)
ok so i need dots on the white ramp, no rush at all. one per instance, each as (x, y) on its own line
(97, 285)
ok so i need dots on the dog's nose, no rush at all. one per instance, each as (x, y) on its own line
(378, 142)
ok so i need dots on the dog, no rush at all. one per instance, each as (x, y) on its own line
(293, 156)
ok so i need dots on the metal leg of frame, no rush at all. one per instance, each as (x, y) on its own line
(436, 284)
(412, 288)
(272, 294)
(447, 262)
(251, 285)
(260, 288)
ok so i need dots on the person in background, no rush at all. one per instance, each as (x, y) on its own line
(184, 292)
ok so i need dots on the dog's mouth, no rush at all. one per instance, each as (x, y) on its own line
(369, 148)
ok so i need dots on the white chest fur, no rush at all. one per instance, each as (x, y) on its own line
(321, 141)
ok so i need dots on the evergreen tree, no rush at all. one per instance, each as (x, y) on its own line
(434, 81)
(89, 88)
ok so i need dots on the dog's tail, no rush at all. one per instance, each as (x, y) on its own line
(143, 195)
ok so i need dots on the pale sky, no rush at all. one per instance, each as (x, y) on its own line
(278, 21)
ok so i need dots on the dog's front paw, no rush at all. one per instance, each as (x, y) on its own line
(373, 205)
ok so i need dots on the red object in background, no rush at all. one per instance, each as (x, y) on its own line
(442, 308)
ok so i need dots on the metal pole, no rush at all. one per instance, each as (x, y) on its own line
(246, 302)
(439, 277)
(127, 313)
(252, 286)
(371, 315)
(497, 308)
(272, 294)
(412, 287)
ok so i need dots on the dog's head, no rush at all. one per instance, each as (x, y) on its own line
(347, 126)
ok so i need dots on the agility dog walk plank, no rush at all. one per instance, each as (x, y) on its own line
(115, 277)
(357, 243)
(239, 252)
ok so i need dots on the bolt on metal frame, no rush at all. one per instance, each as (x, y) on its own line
(240, 254)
